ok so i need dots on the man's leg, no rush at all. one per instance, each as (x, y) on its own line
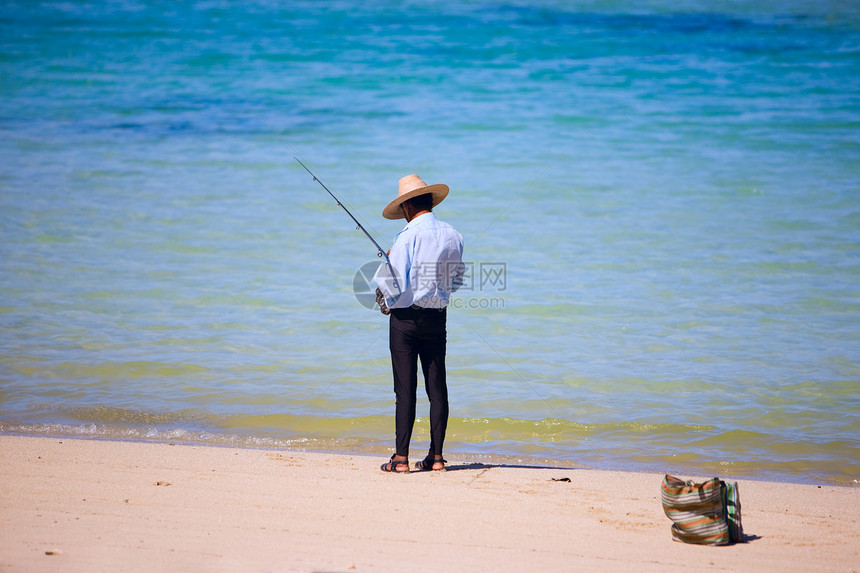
(404, 365)
(432, 353)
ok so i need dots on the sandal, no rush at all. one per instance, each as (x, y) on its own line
(392, 465)
(427, 464)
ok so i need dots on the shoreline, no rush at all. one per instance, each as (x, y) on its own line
(94, 504)
(477, 457)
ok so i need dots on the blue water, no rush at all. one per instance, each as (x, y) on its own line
(660, 203)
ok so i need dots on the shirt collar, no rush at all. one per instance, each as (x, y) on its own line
(420, 219)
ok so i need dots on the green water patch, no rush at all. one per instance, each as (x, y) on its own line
(480, 373)
(53, 239)
(552, 311)
(318, 426)
(128, 417)
(821, 304)
(110, 371)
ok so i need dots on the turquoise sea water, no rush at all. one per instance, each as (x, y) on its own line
(660, 203)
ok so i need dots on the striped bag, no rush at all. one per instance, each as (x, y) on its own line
(706, 513)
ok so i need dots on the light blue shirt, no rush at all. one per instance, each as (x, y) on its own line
(427, 262)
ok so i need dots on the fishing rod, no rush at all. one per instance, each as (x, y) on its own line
(359, 226)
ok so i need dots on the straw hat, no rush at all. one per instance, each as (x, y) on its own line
(412, 186)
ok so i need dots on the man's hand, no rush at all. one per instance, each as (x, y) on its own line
(380, 300)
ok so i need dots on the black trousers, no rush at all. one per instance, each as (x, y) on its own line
(418, 334)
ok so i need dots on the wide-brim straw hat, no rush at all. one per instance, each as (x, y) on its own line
(409, 187)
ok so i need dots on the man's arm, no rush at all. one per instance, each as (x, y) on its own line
(393, 274)
(459, 270)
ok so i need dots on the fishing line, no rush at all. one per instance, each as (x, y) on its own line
(354, 360)
(359, 227)
(532, 388)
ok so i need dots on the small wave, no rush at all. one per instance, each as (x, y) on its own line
(641, 447)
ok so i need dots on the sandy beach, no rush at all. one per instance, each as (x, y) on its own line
(85, 505)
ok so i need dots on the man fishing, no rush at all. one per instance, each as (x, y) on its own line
(424, 267)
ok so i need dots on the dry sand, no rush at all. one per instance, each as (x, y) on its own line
(87, 505)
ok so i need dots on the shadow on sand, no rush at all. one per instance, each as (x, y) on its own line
(483, 466)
